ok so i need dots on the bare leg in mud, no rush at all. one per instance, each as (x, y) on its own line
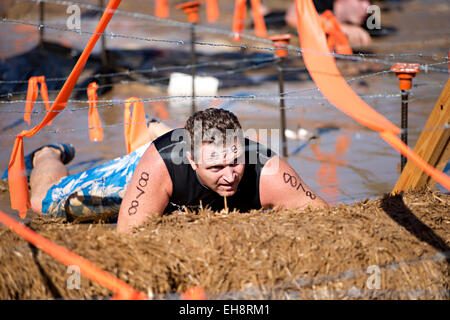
(48, 168)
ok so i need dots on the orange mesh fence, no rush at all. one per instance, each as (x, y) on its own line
(327, 77)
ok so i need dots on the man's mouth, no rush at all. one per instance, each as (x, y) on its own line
(227, 187)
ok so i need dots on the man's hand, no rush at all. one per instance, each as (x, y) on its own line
(148, 192)
(281, 187)
(356, 35)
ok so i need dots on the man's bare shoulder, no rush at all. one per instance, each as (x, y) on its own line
(282, 187)
(153, 163)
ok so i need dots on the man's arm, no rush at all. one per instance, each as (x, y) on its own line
(281, 187)
(148, 192)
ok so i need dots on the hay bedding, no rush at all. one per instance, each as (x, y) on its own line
(287, 254)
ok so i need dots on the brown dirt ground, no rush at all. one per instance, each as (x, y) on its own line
(321, 254)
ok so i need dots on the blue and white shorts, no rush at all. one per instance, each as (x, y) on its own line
(94, 193)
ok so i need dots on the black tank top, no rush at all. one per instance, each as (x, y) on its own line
(187, 188)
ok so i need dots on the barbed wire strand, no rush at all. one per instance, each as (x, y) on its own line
(184, 24)
(299, 283)
(298, 51)
(149, 70)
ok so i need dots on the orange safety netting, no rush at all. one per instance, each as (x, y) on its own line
(321, 65)
(94, 123)
(32, 94)
(87, 269)
(337, 40)
(240, 10)
(16, 170)
(135, 126)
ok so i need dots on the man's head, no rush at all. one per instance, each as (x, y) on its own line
(217, 149)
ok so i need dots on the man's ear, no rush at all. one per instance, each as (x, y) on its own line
(191, 160)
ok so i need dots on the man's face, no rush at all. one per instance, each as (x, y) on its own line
(220, 169)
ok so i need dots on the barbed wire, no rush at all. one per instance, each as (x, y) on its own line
(112, 102)
(120, 124)
(425, 67)
(156, 80)
(149, 70)
(349, 274)
(299, 283)
(168, 21)
(228, 72)
(276, 97)
(297, 50)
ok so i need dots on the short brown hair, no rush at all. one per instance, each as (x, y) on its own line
(212, 119)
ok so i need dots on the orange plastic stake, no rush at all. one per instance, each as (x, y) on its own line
(18, 186)
(94, 123)
(212, 10)
(258, 19)
(325, 74)
(194, 293)
(405, 73)
(135, 126)
(240, 10)
(161, 9)
(32, 94)
(280, 43)
(87, 268)
(337, 40)
(190, 8)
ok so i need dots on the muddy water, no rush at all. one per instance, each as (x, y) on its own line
(345, 163)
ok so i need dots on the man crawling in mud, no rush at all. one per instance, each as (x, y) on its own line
(206, 163)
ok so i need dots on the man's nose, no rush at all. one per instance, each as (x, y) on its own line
(228, 174)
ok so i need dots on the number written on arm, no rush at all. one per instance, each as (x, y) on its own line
(142, 183)
(294, 183)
